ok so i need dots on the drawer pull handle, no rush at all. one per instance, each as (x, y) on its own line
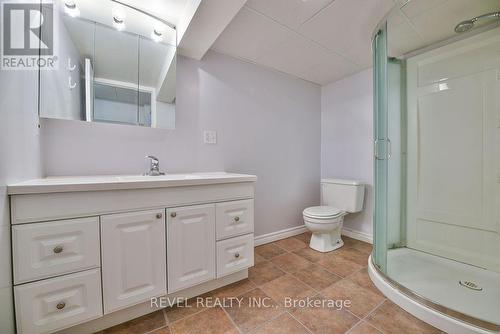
(159, 215)
(237, 255)
(58, 249)
(173, 215)
(236, 219)
(60, 305)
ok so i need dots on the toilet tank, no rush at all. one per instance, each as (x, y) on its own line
(342, 194)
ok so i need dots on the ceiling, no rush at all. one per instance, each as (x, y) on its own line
(326, 40)
(316, 40)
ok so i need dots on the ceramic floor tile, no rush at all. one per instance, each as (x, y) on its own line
(391, 319)
(362, 301)
(287, 288)
(269, 251)
(290, 262)
(352, 255)
(324, 319)
(339, 265)
(284, 324)
(233, 290)
(349, 242)
(364, 247)
(210, 321)
(291, 244)
(311, 255)
(144, 324)
(264, 272)
(304, 237)
(364, 328)
(316, 277)
(181, 311)
(164, 330)
(257, 258)
(361, 246)
(362, 278)
(256, 308)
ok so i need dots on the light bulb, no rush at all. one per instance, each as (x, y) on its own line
(71, 9)
(119, 18)
(156, 35)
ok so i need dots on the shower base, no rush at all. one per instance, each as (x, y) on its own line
(428, 287)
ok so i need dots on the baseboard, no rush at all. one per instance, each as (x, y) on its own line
(357, 235)
(278, 235)
(290, 232)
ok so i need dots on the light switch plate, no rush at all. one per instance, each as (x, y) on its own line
(210, 137)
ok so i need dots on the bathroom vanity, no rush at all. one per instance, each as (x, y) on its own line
(94, 250)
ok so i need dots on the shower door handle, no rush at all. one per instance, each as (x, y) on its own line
(382, 149)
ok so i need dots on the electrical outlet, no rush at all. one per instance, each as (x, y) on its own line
(210, 137)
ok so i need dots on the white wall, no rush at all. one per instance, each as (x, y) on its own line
(347, 139)
(19, 160)
(267, 124)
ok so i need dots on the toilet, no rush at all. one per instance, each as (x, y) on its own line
(338, 198)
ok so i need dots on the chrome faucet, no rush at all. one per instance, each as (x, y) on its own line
(154, 166)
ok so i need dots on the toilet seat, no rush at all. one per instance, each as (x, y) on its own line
(323, 212)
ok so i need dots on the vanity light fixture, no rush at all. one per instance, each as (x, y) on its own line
(119, 19)
(71, 9)
(168, 24)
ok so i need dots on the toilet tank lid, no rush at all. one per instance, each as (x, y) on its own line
(342, 181)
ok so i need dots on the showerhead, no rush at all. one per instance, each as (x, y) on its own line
(464, 26)
(469, 24)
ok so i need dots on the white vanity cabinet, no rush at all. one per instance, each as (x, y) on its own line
(88, 255)
(133, 258)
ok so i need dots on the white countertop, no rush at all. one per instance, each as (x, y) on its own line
(119, 182)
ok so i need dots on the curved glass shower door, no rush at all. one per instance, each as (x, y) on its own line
(389, 150)
(437, 162)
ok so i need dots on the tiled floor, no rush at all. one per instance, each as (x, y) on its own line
(289, 268)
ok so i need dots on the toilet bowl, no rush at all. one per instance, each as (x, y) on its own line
(338, 198)
(325, 224)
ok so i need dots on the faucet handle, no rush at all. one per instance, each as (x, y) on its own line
(152, 158)
(154, 166)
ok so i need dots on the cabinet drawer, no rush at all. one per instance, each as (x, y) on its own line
(48, 249)
(234, 218)
(234, 254)
(57, 303)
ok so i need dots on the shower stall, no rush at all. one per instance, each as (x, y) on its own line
(437, 162)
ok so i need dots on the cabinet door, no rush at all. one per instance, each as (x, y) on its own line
(191, 246)
(133, 258)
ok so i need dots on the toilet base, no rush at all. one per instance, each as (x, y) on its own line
(326, 242)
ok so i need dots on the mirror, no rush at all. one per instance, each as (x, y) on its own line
(112, 74)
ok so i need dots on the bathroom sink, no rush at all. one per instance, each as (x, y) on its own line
(138, 178)
(117, 182)
(167, 177)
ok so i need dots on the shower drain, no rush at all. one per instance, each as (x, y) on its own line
(470, 285)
